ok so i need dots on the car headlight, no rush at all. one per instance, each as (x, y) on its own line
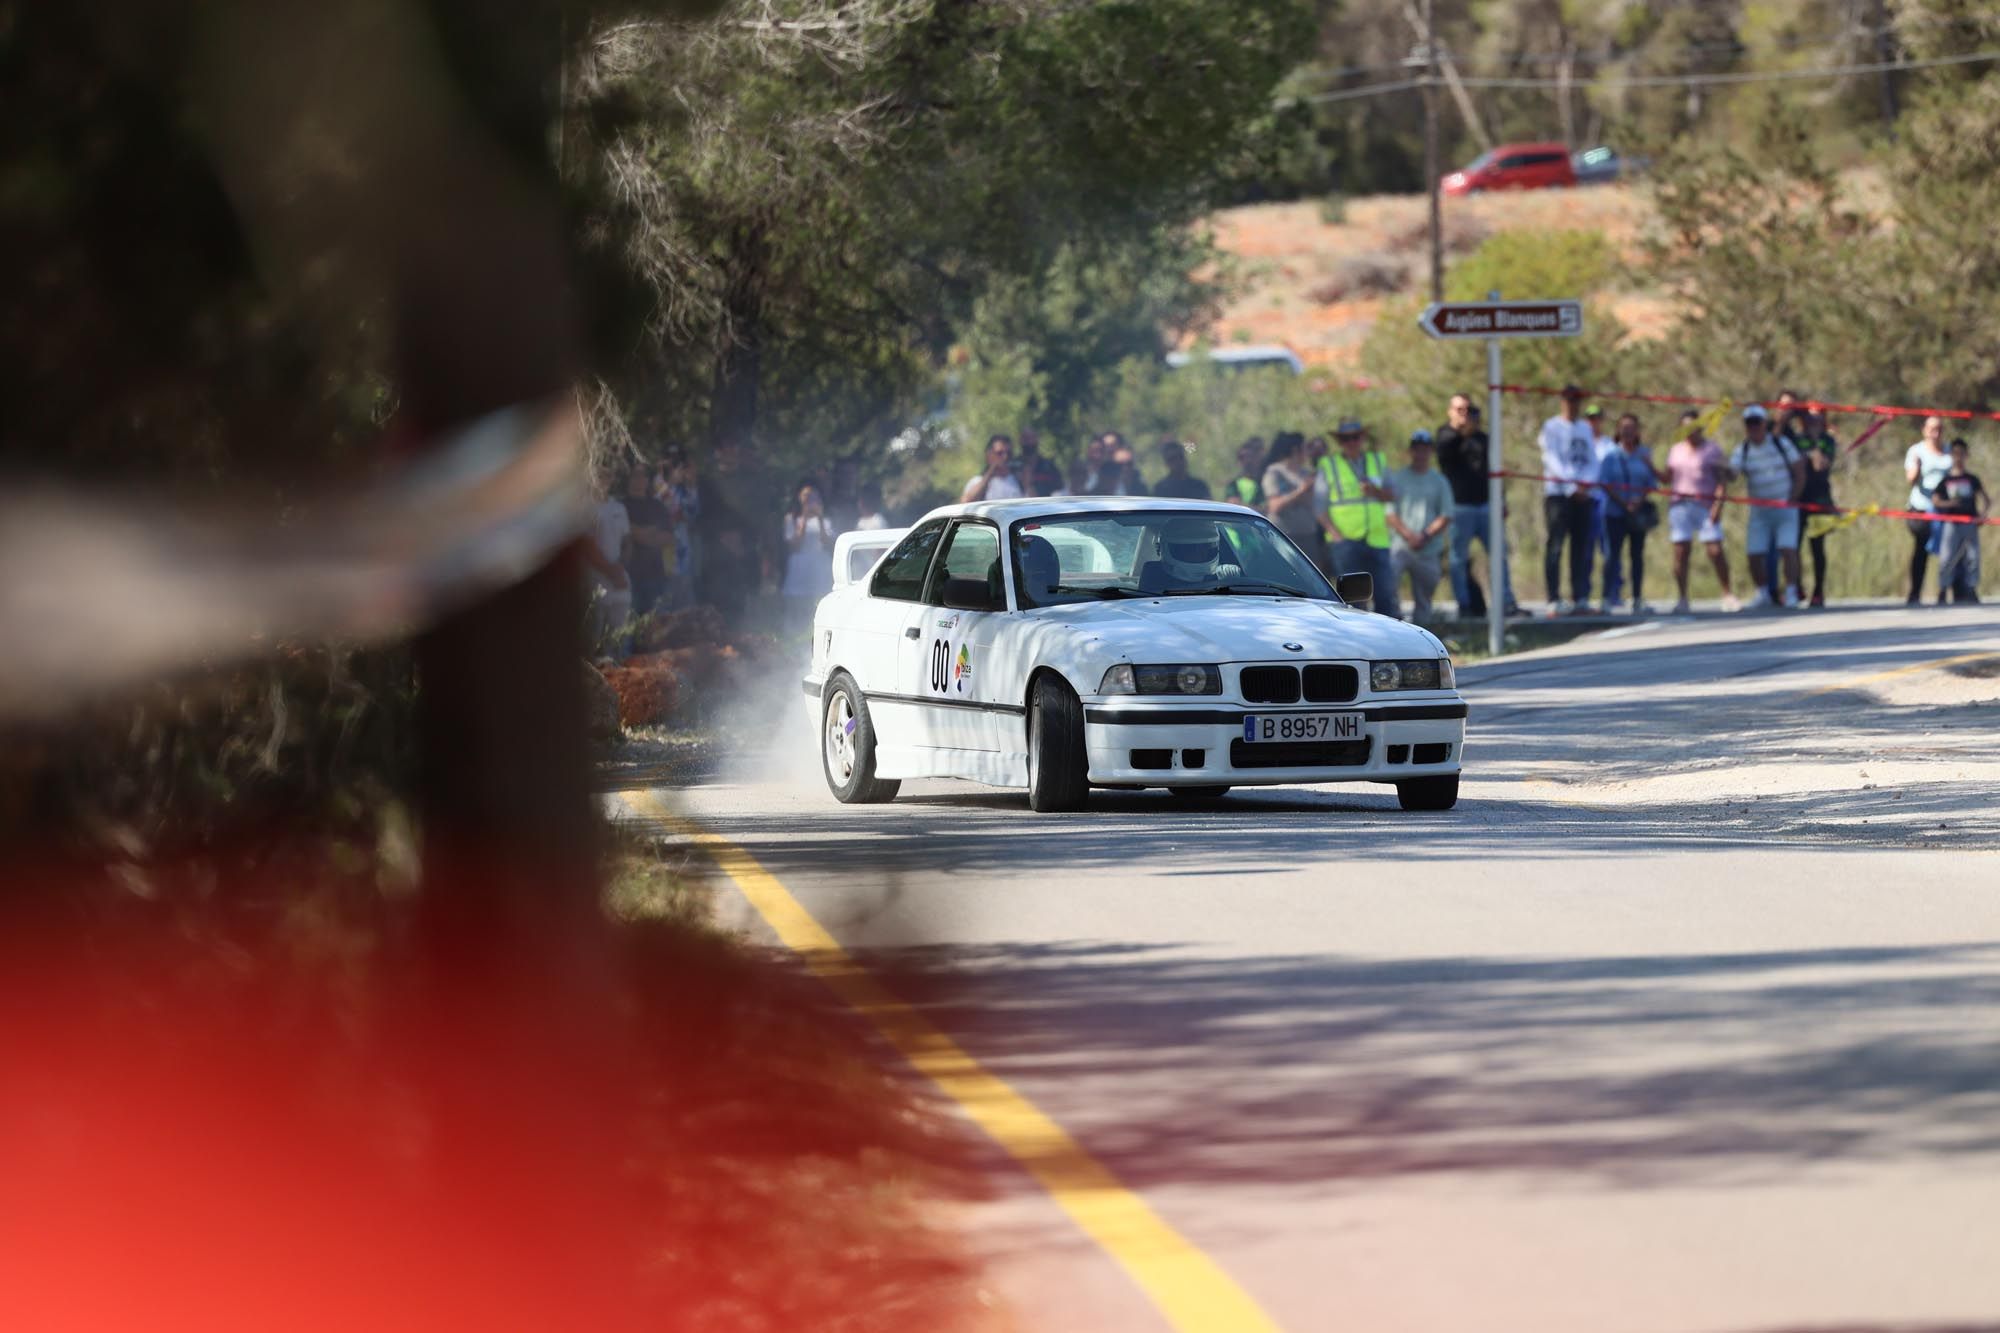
(1126, 678)
(1424, 673)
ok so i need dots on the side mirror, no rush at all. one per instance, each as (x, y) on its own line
(1355, 589)
(968, 595)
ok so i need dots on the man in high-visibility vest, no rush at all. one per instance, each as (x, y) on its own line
(1248, 487)
(1357, 511)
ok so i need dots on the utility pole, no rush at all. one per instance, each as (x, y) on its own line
(1885, 53)
(1431, 149)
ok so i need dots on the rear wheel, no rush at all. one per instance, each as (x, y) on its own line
(1439, 793)
(1197, 795)
(847, 746)
(1058, 768)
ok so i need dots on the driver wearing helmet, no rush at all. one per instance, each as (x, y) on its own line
(1190, 557)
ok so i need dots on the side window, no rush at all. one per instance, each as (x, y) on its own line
(973, 552)
(901, 576)
(1546, 159)
(1512, 161)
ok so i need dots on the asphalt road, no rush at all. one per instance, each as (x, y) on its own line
(1688, 1018)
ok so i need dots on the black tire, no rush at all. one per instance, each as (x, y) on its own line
(1440, 793)
(850, 769)
(1058, 767)
(1197, 795)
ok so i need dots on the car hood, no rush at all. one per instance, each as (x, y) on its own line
(1239, 629)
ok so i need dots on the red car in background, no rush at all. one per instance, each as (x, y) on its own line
(1514, 166)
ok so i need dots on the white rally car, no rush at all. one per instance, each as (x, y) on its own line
(1062, 644)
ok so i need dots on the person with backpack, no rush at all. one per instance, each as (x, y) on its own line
(1774, 473)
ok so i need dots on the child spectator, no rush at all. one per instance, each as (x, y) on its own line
(1959, 494)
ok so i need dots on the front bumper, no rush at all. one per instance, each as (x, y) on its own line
(1187, 744)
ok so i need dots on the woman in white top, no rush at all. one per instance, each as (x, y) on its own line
(1924, 465)
(808, 554)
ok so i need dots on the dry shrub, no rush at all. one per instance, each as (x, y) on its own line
(1375, 274)
(1463, 233)
(648, 688)
(694, 627)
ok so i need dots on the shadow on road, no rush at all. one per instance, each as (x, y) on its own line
(1623, 1072)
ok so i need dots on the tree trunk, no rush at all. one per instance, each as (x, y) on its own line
(1565, 74)
(739, 364)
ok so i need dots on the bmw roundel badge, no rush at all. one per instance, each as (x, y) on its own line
(1295, 647)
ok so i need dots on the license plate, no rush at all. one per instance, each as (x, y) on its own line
(1260, 727)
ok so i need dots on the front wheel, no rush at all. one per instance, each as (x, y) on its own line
(1428, 793)
(1058, 767)
(847, 746)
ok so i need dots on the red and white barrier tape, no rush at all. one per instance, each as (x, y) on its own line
(1843, 511)
(1803, 404)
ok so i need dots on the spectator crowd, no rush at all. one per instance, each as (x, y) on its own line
(665, 538)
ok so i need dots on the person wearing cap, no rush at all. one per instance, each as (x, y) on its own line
(1247, 488)
(1695, 470)
(1420, 523)
(1569, 465)
(1772, 472)
(1357, 514)
(1178, 484)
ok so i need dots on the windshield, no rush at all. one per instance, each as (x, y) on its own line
(1072, 558)
(1480, 163)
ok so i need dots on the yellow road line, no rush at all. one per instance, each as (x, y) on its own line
(1187, 1286)
(1893, 672)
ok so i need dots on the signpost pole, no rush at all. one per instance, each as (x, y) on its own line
(1495, 321)
(1496, 517)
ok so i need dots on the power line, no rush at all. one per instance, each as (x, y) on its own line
(1748, 76)
(1668, 80)
(1784, 46)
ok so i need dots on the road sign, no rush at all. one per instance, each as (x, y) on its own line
(1502, 319)
(1490, 321)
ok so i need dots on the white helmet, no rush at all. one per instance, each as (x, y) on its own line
(1191, 547)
